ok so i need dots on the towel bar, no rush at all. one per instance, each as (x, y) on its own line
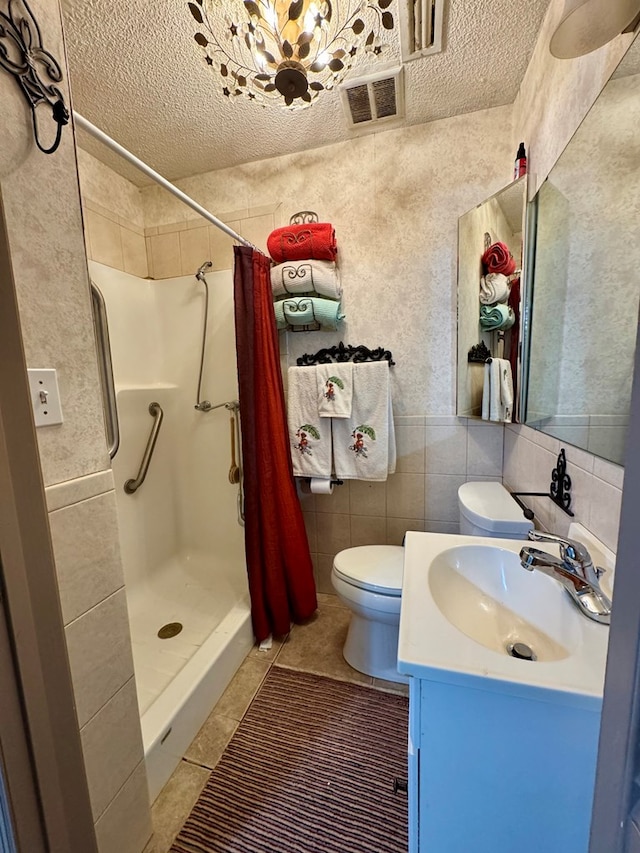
(342, 353)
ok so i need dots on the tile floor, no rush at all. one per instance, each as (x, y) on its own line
(314, 647)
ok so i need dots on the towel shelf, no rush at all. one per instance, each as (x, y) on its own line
(342, 353)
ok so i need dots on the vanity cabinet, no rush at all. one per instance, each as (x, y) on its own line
(499, 771)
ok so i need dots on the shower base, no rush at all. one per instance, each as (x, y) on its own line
(179, 679)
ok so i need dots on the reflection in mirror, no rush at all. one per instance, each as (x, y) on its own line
(586, 277)
(489, 307)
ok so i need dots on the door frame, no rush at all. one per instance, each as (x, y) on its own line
(51, 771)
(612, 828)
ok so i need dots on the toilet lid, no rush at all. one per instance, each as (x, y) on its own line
(378, 568)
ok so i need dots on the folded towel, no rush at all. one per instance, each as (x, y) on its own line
(335, 389)
(364, 444)
(295, 277)
(494, 287)
(497, 392)
(498, 258)
(309, 435)
(495, 318)
(305, 310)
(315, 240)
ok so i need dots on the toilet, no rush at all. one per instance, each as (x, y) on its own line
(368, 578)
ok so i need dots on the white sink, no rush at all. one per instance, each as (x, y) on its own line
(466, 600)
(485, 593)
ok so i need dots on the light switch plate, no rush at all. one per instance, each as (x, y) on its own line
(45, 396)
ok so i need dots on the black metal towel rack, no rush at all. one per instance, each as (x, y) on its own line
(559, 489)
(342, 353)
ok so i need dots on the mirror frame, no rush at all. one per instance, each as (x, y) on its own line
(524, 313)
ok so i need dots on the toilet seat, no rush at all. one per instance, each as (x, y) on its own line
(373, 568)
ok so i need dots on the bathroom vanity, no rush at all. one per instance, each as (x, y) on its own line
(502, 750)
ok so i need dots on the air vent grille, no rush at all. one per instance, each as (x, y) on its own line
(359, 105)
(374, 98)
(384, 96)
(421, 27)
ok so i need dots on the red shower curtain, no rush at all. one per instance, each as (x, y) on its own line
(281, 581)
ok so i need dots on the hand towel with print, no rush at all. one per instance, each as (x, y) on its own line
(364, 444)
(335, 390)
(309, 435)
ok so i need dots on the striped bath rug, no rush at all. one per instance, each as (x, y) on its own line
(310, 769)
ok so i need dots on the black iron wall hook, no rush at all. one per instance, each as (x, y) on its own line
(22, 54)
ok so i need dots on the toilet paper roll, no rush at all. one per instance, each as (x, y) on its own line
(321, 486)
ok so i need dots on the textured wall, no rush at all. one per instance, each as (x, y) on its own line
(394, 199)
(553, 100)
(44, 229)
(556, 94)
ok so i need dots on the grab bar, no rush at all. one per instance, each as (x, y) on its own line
(205, 406)
(105, 370)
(132, 486)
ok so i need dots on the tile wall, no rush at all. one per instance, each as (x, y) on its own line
(115, 233)
(43, 218)
(435, 456)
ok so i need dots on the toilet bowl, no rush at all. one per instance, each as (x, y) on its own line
(368, 580)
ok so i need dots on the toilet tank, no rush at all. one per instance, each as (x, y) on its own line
(487, 509)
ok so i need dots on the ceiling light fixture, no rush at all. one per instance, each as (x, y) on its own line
(288, 51)
(587, 25)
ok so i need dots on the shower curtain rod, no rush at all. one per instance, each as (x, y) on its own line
(139, 164)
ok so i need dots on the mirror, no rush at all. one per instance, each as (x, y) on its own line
(499, 219)
(585, 286)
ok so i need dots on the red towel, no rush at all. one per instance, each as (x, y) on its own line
(498, 258)
(316, 240)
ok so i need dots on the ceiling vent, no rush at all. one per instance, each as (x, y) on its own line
(421, 24)
(375, 98)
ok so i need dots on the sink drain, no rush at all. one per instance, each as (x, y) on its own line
(521, 651)
(171, 629)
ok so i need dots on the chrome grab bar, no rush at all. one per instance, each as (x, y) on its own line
(132, 486)
(105, 370)
(205, 406)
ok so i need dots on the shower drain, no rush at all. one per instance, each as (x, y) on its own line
(521, 651)
(171, 629)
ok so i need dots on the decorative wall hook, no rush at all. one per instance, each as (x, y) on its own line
(22, 54)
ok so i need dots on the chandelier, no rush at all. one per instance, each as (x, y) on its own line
(288, 51)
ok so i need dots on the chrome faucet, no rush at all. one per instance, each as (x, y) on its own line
(575, 571)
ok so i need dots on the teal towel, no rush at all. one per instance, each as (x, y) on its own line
(494, 318)
(305, 310)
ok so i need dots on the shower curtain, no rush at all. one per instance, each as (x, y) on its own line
(279, 566)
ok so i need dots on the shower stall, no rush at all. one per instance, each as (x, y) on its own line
(181, 537)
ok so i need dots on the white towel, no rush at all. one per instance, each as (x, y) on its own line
(494, 287)
(497, 392)
(364, 444)
(309, 435)
(295, 277)
(335, 390)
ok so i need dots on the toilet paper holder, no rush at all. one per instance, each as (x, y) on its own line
(333, 482)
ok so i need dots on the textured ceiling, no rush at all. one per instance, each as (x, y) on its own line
(137, 73)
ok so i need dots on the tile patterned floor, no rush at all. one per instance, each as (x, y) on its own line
(314, 647)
